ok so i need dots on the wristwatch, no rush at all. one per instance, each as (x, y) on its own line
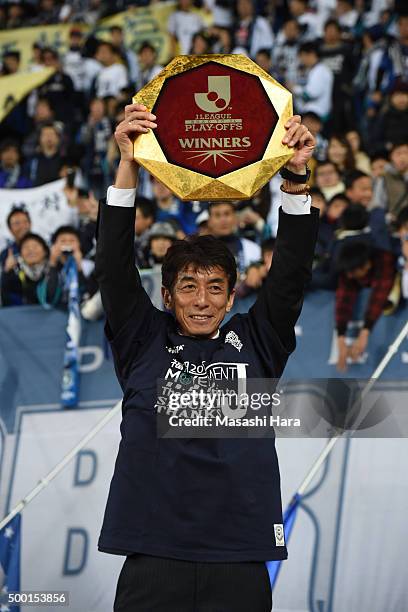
(295, 178)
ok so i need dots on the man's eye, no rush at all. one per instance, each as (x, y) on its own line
(216, 288)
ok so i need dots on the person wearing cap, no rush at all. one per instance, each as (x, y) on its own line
(196, 518)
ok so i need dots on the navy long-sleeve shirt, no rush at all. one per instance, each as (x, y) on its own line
(209, 499)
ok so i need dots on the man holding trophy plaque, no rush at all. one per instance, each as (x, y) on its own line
(197, 517)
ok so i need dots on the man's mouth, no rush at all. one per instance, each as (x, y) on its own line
(200, 317)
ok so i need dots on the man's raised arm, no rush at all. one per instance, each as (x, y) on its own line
(281, 297)
(122, 293)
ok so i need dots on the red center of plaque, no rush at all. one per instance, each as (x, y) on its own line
(214, 119)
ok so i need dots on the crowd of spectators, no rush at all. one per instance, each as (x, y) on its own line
(346, 63)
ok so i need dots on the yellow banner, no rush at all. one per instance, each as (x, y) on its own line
(22, 39)
(13, 88)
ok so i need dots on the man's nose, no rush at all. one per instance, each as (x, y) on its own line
(201, 297)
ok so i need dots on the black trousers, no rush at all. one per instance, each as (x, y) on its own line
(156, 584)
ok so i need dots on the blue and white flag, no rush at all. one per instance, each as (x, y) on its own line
(70, 378)
(288, 522)
(10, 562)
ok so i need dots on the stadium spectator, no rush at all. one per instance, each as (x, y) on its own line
(11, 172)
(95, 136)
(361, 159)
(169, 208)
(285, 53)
(360, 266)
(315, 126)
(10, 63)
(379, 163)
(256, 272)
(394, 65)
(338, 57)
(200, 44)
(74, 64)
(22, 273)
(160, 238)
(19, 224)
(182, 25)
(391, 126)
(113, 77)
(59, 88)
(328, 179)
(346, 15)
(127, 55)
(149, 68)
(395, 180)
(43, 114)
(309, 22)
(53, 290)
(223, 224)
(145, 217)
(318, 200)
(47, 13)
(340, 153)
(316, 94)
(252, 32)
(46, 165)
(87, 206)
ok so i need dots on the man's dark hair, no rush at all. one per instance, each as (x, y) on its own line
(352, 255)
(212, 205)
(315, 191)
(309, 47)
(332, 22)
(38, 238)
(265, 51)
(339, 196)
(115, 28)
(268, 245)
(202, 252)
(355, 217)
(379, 154)
(65, 229)
(328, 162)
(353, 176)
(146, 206)
(402, 217)
(147, 45)
(9, 143)
(106, 43)
(51, 51)
(313, 116)
(15, 54)
(17, 210)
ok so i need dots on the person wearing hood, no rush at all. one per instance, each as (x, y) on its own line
(161, 236)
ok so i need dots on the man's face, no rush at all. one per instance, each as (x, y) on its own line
(43, 111)
(49, 138)
(291, 30)
(142, 223)
(199, 300)
(11, 63)
(9, 157)
(332, 35)
(32, 252)
(399, 100)
(361, 191)
(19, 226)
(67, 242)
(378, 167)
(117, 37)
(326, 176)
(104, 55)
(307, 59)
(403, 27)
(336, 208)
(50, 61)
(245, 8)
(147, 57)
(222, 220)
(360, 272)
(263, 61)
(399, 158)
(159, 247)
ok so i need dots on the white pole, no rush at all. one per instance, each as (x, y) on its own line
(45, 481)
(392, 349)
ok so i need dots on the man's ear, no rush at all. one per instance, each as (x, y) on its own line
(230, 300)
(167, 298)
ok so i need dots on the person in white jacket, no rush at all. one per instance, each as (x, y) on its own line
(316, 95)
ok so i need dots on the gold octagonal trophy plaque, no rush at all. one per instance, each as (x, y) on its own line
(220, 124)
